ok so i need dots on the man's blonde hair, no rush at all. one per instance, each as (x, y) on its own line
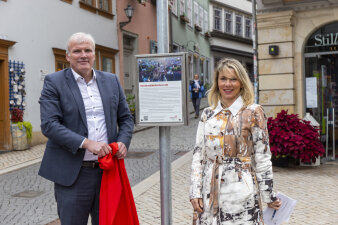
(247, 93)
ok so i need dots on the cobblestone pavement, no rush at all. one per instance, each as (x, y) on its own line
(26, 198)
(316, 189)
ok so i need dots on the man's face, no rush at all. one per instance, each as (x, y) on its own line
(81, 57)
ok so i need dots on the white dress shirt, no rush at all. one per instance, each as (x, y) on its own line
(97, 130)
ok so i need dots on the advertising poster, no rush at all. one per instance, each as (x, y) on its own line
(161, 89)
(311, 92)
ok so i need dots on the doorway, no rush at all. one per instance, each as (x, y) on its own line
(321, 74)
(4, 107)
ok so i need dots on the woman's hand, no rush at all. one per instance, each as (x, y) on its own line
(197, 203)
(275, 205)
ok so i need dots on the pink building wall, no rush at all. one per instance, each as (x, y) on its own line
(143, 24)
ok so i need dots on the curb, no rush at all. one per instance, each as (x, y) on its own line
(147, 183)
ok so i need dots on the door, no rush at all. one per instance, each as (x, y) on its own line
(323, 69)
(4, 107)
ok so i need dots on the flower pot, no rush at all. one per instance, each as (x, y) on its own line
(280, 162)
(19, 137)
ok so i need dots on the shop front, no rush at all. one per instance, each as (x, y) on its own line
(321, 77)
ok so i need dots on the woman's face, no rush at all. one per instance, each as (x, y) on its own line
(229, 86)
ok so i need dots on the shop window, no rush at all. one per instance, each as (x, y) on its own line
(217, 18)
(100, 7)
(60, 59)
(228, 22)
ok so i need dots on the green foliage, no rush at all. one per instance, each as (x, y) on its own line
(131, 102)
(29, 128)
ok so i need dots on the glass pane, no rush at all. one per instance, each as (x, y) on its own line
(107, 64)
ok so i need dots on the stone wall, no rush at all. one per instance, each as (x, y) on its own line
(276, 72)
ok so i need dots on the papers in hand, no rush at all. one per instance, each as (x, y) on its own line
(276, 217)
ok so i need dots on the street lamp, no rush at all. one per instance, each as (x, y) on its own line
(129, 13)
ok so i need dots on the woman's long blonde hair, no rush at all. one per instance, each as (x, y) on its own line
(247, 89)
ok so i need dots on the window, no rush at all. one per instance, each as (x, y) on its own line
(173, 5)
(206, 21)
(182, 7)
(248, 28)
(228, 22)
(200, 21)
(196, 19)
(68, 1)
(105, 58)
(239, 29)
(60, 59)
(101, 7)
(189, 11)
(217, 18)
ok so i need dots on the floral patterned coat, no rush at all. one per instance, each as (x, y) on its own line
(231, 167)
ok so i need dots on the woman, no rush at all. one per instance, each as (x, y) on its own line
(231, 167)
(196, 88)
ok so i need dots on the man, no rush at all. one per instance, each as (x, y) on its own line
(196, 88)
(82, 110)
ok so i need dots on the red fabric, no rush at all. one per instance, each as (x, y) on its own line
(117, 206)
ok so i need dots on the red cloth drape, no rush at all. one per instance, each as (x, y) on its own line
(117, 206)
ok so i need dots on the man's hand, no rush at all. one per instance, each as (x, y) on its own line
(197, 203)
(97, 148)
(122, 152)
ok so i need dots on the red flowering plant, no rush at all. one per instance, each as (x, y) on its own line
(17, 118)
(16, 115)
(291, 136)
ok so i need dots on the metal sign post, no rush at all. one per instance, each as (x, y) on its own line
(164, 132)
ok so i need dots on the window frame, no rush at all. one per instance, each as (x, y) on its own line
(60, 57)
(206, 21)
(182, 9)
(102, 51)
(94, 8)
(228, 21)
(190, 12)
(239, 25)
(219, 18)
(67, 1)
(248, 29)
(173, 4)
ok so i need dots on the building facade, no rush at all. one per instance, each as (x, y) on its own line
(136, 37)
(231, 31)
(33, 34)
(188, 30)
(300, 72)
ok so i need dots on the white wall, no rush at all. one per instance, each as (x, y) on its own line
(39, 25)
(243, 5)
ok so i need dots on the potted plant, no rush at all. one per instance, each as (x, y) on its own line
(293, 137)
(198, 28)
(184, 18)
(131, 104)
(207, 34)
(21, 130)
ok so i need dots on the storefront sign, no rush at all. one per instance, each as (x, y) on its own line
(326, 39)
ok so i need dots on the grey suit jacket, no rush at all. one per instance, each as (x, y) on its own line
(63, 122)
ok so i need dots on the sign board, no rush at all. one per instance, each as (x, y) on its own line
(161, 98)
